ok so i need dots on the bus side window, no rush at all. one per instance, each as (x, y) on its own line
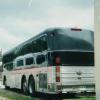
(29, 61)
(8, 66)
(40, 59)
(5, 66)
(20, 63)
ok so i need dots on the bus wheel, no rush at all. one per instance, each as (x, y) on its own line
(31, 86)
(5, 83)
(24, 86)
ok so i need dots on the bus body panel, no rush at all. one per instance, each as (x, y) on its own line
(79, 78)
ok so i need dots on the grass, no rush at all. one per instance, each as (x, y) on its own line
(15, 95)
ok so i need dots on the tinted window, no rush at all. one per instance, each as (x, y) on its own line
(31, 46)
(9, 66)
(37, 45)
(29, 61)
(8, 57)
(71, 58)
(20, 63)
(40, 44)
(40, 59)
(44, 43)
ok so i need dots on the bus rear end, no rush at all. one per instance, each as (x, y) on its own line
(72, 61)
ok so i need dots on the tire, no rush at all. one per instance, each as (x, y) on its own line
(5, 84)
(31, 86)
(24, 86)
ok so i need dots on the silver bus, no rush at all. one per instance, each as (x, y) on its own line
(58, 60)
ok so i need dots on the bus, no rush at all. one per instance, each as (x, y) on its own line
(58, 60)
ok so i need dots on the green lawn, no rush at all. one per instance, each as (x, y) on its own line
(12, 95)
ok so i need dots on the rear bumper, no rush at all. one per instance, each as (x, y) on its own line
(76, 89)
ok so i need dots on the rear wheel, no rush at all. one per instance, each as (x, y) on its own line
(31, 86)
(24, 86)
(5, 83)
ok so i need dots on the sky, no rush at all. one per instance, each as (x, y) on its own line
(23, 19)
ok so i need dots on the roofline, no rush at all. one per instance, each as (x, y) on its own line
(43, 32)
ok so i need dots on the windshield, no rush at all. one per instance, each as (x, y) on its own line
(71, 58)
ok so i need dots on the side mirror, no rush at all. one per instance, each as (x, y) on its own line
(40, 59)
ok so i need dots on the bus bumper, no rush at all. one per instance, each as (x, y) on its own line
(76, 89)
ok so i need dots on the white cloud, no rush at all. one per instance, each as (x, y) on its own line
(30, 2)
(7, 40)
(71, 17)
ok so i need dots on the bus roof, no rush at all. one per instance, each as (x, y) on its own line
(46, 32)
(72, 39)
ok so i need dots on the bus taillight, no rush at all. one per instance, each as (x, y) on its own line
(76, 29)
(58, 60)
(58, 74)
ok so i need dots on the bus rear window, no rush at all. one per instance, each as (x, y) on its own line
(71, 58)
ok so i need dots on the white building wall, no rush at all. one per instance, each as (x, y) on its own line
(97, 47)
